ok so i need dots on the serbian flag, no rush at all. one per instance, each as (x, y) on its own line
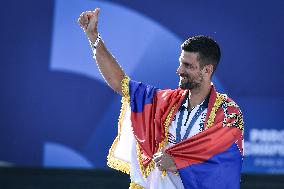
(152, 111)
(211, 159)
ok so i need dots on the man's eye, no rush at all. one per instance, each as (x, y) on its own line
(187, 65)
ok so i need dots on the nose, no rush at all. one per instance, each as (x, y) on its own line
(179, 70)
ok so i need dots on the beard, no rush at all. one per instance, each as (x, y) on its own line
(187, 82)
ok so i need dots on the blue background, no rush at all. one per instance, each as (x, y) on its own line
(55, 109)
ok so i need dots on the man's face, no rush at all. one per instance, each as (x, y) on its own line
(191, 75)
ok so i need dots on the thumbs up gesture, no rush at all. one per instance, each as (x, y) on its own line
(89, 23)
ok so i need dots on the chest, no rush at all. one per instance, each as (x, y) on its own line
(186, 124)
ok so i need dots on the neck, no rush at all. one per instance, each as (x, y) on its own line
(198, 95)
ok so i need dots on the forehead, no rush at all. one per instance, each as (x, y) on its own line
(190, 57)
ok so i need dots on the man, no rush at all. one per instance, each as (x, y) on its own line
(190, 137)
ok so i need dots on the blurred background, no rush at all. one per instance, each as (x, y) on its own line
(59, 118)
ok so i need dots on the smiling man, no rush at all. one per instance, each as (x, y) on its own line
(190, 137)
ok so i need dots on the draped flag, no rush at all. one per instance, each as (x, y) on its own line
(210, 159)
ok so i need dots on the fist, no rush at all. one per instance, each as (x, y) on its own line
(89, 23)
(164, 162)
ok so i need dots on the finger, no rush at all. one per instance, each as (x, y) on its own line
(160, 167)
(158, 163)
(82, 20)
(157, 154)
(90, 14)
(157, 158)
(82, 25)
(97, 11)
(93, 23)
(85, 18)
(95, 14)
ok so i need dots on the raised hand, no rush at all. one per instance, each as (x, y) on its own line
(89, 23)
(108, 66)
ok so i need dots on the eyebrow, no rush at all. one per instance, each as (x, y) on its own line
(188, 63)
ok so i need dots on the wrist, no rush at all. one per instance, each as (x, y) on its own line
(94, 44)
(93, 37)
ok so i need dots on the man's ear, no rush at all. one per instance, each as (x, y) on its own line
(208, 69)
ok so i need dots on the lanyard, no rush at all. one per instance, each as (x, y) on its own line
(201, 108)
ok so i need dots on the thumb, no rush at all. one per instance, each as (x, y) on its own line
(97, 11)
(92, 27)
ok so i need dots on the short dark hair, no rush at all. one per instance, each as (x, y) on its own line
(208, 49)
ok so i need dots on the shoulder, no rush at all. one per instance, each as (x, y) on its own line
(165, 92)
(233, 116)
(231, 104)
(170, 93)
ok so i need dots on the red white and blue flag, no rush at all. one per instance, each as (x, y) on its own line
(210, 159)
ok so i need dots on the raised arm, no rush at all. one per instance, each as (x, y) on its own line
(107, 64)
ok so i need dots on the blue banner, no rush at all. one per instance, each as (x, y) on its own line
(65, 115)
